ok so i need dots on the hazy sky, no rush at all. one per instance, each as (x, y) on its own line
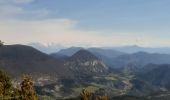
(86, 22)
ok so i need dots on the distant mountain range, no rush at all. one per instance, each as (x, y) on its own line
(105, 55)
(140, 59)
(67, 72)
(47, 48)
(53, 47)
(116, 59)
(135, 48)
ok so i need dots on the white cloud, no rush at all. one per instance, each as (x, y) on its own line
(9, 11)
(15, 1)
(13, 9)
(62, 31)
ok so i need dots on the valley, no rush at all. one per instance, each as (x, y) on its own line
(65, 76)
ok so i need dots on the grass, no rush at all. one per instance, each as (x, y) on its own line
(110, 78)
(91, 89)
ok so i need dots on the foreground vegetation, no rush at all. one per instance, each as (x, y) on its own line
(24, 92)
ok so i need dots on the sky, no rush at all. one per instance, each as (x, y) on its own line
(86, 22)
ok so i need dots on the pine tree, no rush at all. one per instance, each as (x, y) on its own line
(5, 85)
(85, 95)
(27, 89)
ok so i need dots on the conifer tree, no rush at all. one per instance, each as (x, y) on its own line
(5, 84)
(27, 89)
(85, 95)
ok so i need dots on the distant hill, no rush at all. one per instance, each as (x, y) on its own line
(109, 53)
(140, 59)
(59, 56)
(69, 51)
(136, 48)
(158, 76)
(96, 51)
(84, 62)
(83, 55)
(106, 55)
(17, 60)
(153, 79)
